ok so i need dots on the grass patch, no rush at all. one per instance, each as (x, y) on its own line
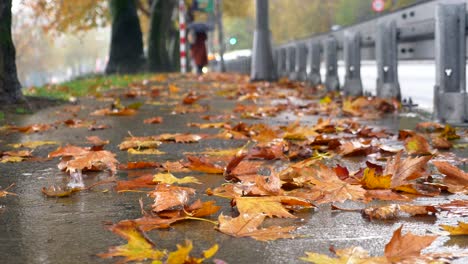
(85, 86)
(2, 116)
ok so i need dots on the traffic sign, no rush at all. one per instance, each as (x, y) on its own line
(378, 5)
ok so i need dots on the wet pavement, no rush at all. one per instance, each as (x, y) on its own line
(38, 229)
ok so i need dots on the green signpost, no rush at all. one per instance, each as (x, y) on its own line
(206, 6)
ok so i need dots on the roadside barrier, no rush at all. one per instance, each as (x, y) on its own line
(434, 30)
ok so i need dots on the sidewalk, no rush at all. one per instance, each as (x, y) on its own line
(284, 145)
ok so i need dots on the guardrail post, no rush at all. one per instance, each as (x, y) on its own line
(313, 63)
(387, 61)
(262, 68)
(450, 98)
(331, 61)
(301, 62)
(352, 55)
(290, 62)
(281, 62)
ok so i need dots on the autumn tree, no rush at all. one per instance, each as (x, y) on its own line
(126, 48)
(10, 88)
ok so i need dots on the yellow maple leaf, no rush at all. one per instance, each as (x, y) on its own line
(33, 144)
(349, 255)
(138, 248)
(458, 230)
(372, 181)
(11, 159)
(169, 178)
(182, 254)
(270, 206)
(145, 152)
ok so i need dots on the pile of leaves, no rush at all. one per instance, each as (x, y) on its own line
(280, 169)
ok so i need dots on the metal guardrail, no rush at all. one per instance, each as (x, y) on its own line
(435, 30)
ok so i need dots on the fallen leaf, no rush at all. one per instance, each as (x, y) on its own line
(455, 178)
(114, 112)
(441, 143)
(95, 160)
(456, 207)
(168, 178)
(182, 254)
(192, 212)
(269, 206)
(345, 256)
(394, 211)
(458, 230)
(203, 165)
(354, 148)
(145, 181)
(55, 191)
(372, 181)
(179, 138)
(153, 120)
(429, 127)
(97, 141)
(68, 150)
(417, 145)
(449, 133)
(145, 152)
(15, 156)
(406, 246)
(139, 165)
(209, 125)
(139, 143)
(408, 169)
(138, 248)
(169, 196)
(332, 188)
(33, 144)
(4, 192)
(248, 226)
(400, 249)
(35, 128)
(386, 195)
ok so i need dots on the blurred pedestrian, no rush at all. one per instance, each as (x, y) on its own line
(198, 49)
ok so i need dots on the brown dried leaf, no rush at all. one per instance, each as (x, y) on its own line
(453, 175)
(406, 246)
(354, 148)
(153, 120)
(145, 181)
(114, 112)
(408, 169)
(168, 196)
(68, 150)
(203, 165)
(394, 211)
(139, 165)
(95, 160)
(456, 207)
(96, 141)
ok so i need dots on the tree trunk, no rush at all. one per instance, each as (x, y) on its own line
(10, 88)
(126, 51)
(159, 36)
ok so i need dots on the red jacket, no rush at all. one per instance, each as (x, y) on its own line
(198, 49)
